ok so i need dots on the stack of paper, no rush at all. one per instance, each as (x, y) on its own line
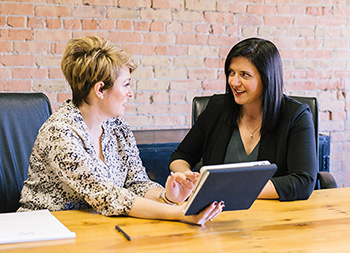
(31, 226)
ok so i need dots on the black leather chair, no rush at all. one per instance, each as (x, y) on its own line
(21, 116)
(324, 179)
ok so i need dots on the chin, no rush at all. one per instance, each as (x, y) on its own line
(238, 101)
(120, 114)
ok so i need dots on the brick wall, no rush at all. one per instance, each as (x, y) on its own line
(180, 46)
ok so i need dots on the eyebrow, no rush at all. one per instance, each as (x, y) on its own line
(250, 72)
(126, 80)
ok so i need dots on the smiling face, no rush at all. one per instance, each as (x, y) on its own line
(116, 97)
(245, 82)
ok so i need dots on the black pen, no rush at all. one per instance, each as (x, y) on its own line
(127, 237)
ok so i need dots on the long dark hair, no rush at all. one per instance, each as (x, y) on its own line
(264, 55)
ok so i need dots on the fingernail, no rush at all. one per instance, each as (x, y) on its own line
(215, 203)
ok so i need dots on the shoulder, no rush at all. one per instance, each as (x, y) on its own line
(293, 109)
(292, 105)
(217, 100)
(213, 114)
(67, 114)
(66, 124)
(117, 124)
(216, 103)
(210, 106)
(120, 128)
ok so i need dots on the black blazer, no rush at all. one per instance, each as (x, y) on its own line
(290, 145)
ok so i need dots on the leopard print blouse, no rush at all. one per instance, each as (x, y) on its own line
(66, 173)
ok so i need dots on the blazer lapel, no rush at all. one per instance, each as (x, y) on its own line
(267, 147)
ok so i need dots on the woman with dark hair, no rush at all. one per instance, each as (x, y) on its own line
(255, 121)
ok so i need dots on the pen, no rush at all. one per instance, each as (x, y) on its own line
(127, 237)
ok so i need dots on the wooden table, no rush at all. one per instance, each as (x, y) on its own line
(320, 224)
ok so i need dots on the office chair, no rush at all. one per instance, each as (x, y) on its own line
(324, 179)
(21, 116)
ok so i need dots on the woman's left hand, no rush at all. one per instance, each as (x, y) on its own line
(180, 185)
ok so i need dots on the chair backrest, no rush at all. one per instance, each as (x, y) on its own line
(198, 106)
(21, 116)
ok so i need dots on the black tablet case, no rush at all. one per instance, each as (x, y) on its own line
(237, 187)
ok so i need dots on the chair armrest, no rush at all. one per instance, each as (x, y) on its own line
(326, 180)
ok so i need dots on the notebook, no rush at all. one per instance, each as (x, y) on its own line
(237, 184)
(32, 226)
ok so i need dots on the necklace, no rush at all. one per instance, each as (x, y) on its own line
(252, 132)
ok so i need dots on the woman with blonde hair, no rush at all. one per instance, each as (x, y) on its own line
(85, 155)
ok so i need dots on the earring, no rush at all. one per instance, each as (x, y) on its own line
(101, 96)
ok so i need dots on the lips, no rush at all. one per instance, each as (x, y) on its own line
(237, 92)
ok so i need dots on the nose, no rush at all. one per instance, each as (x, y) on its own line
(130, 93)
(234, 80)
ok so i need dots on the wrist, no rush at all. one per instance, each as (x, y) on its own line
(163, 198)
(168, 200)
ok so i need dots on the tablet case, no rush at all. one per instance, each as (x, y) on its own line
(238, 185)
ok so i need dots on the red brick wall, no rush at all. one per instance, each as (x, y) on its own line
(180, 47)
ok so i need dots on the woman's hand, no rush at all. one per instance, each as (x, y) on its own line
(150, 209)
(180, 185)
(208, 214)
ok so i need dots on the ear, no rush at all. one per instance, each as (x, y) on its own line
(98, 89)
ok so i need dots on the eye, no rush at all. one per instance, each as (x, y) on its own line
(246, 75)
(231, 72)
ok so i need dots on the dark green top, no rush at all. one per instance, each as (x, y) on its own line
(236, 153)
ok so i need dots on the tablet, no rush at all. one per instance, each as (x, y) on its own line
(237, 184)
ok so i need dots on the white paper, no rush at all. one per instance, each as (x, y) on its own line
(31, 226)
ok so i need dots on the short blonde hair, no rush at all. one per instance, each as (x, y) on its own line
(89, 60)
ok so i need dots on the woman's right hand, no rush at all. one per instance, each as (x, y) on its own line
(208, 214)
(180, 185)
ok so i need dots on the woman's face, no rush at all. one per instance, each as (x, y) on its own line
(116, 97)
(245, 82)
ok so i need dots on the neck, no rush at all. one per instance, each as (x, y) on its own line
(92, 118)
(251, 118)
(251, 113)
